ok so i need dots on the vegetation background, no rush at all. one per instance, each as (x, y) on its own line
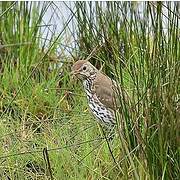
(46, 131)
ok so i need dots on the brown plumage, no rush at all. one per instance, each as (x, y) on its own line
(103, 87)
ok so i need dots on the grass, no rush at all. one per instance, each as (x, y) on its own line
(46, 131)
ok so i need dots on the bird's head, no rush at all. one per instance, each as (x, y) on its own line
(83, 69)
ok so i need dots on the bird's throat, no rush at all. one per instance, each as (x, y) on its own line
(88, 88)
(88, 83)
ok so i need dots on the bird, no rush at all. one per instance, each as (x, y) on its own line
(101, 91)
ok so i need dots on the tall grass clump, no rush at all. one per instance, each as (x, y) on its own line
(140, 48)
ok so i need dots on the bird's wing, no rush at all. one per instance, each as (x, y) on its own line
(104, 91)
(107, 92)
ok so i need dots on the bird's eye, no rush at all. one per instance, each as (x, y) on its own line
(84, 68)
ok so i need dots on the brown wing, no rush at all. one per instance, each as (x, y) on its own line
(108, 92)
(103, 88)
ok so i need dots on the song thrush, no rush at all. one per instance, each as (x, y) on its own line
(100, 91)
